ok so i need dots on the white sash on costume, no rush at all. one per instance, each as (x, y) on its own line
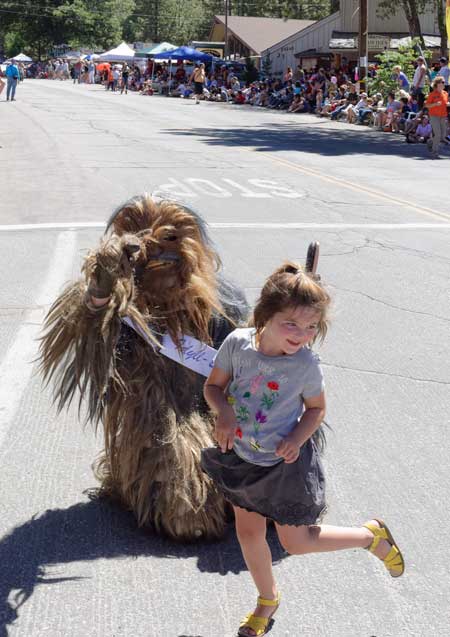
(193, 354)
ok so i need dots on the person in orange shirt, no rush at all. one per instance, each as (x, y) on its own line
(436, 103)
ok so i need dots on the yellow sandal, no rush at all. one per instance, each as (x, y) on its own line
(393, 561)
(259, 625)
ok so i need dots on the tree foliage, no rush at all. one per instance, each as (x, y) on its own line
(412, 10)
(404, 57)
(38, 24)
(297, 9)
(43, 23)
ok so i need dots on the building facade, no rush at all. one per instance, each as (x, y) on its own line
(248, 36)
(327, 41)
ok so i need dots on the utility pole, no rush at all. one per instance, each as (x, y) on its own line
(363, 42)
(225, 49)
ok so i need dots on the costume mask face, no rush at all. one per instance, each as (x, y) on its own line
(175, 254)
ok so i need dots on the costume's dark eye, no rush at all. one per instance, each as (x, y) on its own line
(170, 237)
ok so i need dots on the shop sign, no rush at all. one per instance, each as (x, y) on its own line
(378, 42)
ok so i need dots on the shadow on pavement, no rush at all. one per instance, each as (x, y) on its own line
(88, 531)
(308, 138)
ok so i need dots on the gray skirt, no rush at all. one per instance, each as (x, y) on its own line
(292, 494)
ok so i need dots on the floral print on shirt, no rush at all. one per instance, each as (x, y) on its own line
(269, 393)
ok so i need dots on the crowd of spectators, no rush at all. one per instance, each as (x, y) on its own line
(331, 93)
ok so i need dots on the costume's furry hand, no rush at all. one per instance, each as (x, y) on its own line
(114, 260)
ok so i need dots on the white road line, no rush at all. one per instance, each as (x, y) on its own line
(16, 367)
(254, 226)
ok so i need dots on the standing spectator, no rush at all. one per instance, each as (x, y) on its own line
(444, 72)
(86, 72)
(65, 70)
(137, 77)
(110, 82)
(420, 75)
(437, 102)
(12, 77)
(319, 81)
(299, 74)
(77, 72)
(199, 78)
(125, 76)
(400, 78)
(91, 72)
(288, 75)
(116, 78)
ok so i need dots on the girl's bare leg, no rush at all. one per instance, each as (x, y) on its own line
(298, 540)
(251, 530)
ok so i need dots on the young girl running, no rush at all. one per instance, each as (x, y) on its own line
(266, 389)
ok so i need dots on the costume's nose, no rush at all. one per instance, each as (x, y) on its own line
(153, 248)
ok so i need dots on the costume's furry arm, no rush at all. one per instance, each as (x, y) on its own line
(78, 347)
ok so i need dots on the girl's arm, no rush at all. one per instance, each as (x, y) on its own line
(215, 395)
(289, 447)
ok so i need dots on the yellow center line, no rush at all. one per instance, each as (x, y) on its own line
(357, 188)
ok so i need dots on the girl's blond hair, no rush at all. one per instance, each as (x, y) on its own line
(290, 286)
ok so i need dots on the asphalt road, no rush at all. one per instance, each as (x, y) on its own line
(268, 183)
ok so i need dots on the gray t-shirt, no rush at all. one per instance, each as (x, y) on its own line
(266, 393)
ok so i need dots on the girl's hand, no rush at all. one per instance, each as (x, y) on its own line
(288, 449)
(225, 428)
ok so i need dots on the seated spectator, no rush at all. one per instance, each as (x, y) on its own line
(235, 85)
(239, 98)
(365, 114)
(353, 111)
(401, 116)
(253, 96)
(263, 96)
(344, 106)
(182, 90)
(319, 101)
(147, 88)
(329, 104)
(298, 105)
(422, 132)
(286, 99)
(392, 107)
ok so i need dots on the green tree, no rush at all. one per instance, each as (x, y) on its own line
(14, 43)
(440, 5)
(176, 21)
(404, 57)
(411, 8)
(96, 23)
(297, 9)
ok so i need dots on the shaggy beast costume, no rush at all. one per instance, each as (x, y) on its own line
(156, 267)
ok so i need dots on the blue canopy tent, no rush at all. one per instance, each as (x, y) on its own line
(184, 53)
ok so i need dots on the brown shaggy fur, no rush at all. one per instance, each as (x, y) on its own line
(155, 423)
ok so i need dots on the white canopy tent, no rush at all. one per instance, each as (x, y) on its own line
(122, 53)
(22, 58)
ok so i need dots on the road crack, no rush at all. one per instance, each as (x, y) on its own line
(387, 374)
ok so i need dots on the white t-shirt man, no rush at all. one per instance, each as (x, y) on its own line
(420, 75)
